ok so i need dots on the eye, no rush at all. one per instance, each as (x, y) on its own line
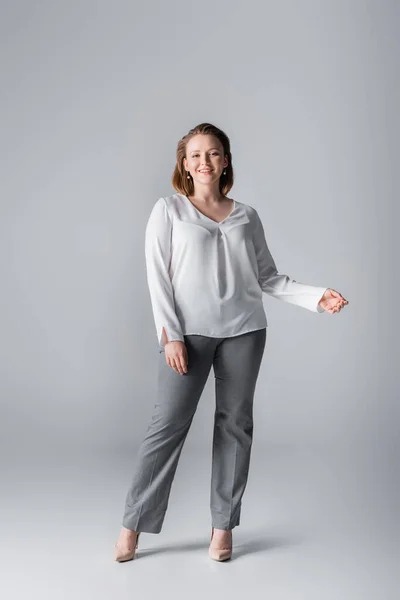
(216, 153)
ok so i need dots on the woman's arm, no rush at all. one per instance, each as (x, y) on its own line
(158, 254)
(279, 285)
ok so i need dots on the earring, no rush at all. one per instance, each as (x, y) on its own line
(188, 175)
(224, 171)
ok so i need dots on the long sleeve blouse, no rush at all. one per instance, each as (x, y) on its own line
(207, 277)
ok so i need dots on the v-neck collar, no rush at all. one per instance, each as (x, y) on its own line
(205, 216)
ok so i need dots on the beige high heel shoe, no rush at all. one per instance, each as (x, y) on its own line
(123, 556)
(219, 554)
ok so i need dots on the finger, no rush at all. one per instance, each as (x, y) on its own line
(178, 367)
(183, 364)
(183, 359)
(173, 365)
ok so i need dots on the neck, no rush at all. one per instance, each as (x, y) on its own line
(207, 196)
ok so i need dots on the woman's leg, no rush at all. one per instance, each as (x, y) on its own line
(236, 364)
(157, 460)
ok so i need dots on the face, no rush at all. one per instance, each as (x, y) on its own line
(205, 153)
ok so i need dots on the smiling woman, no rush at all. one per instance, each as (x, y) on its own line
(208, 264)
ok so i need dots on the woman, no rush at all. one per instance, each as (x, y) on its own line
(208, 264)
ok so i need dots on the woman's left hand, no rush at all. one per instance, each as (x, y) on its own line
(332, 301)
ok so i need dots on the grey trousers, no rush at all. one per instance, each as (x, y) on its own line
(236, 362)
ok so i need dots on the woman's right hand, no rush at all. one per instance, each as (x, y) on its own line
(176, 356)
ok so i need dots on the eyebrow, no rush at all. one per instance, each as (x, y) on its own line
(209, 149)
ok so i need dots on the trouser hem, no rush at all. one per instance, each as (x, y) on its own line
(147, 521)
(220, 522)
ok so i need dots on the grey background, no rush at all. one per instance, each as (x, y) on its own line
(95, 96)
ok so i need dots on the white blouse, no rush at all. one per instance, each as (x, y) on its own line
(207, 277)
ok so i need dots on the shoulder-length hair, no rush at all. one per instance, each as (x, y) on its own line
(180, 181)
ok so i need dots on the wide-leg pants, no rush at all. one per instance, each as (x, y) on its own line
(236, 362)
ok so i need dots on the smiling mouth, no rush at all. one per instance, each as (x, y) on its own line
(210, 171)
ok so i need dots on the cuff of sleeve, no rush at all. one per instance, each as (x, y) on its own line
(319, 309)
(173, 335)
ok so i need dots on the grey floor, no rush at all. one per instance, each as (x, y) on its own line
(316, 524)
